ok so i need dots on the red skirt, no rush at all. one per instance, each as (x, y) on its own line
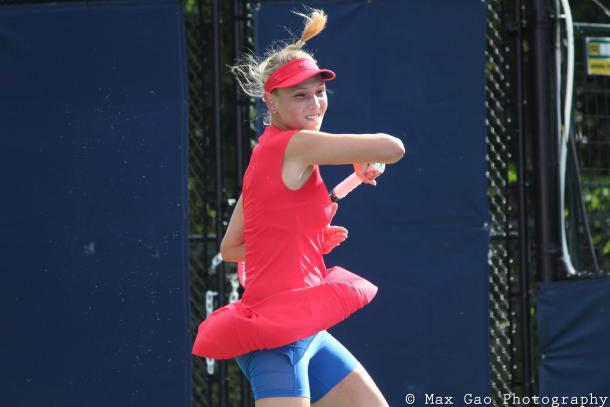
(282, 318)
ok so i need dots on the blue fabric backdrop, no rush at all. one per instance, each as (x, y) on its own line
(415, 70)
(93, 129)
(574, 336)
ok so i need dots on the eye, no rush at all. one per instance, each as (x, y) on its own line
(299, 95)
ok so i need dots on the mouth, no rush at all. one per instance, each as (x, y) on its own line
(313, 117)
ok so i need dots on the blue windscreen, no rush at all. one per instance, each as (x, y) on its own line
(574, 336)
(95, 299)
(415, 70)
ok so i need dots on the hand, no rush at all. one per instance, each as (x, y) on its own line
(333, 236)
(367, 172)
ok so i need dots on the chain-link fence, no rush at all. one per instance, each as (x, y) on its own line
(588, 170)
(508, 276)
(201, 214)
(219, 139)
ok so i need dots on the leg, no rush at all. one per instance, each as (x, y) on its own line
(283, 402)
(357, 390)
(278, 376)
(337, 379)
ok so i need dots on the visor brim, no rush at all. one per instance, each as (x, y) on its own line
(302, 76)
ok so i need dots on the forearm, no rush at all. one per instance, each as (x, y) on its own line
(235, 253)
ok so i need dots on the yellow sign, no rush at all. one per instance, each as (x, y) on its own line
(598, 55)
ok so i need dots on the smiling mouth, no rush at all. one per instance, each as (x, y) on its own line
(312, 117)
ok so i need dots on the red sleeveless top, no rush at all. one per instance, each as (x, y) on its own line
(289, 293)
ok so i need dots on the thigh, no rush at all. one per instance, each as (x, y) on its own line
(278, 373)
(330, 363)
(282, 402)
(337, 379)
(357, 389)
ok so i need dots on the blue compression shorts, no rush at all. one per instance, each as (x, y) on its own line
(310, 367)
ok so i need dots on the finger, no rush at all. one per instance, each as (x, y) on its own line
(340, 228)
(372, 168)
(330, 242)
(335, 240)
(362, 169)
(338, 238)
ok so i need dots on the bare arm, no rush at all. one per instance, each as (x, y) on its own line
(233, 246)
(314, 147)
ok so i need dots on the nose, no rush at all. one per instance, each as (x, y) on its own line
(316, 102)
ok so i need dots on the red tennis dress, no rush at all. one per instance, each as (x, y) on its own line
(289, 294)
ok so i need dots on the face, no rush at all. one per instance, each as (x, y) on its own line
(299, 107)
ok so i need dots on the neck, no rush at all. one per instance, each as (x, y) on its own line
(278, 125)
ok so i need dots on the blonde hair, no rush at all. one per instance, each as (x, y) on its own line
(252, 72)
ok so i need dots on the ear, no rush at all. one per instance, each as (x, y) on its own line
(270, 102)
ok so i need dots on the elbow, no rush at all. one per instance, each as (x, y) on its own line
(231, 251)
(400, 149)
(395, 150)
(225, 252)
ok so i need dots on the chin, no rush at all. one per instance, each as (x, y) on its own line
(309, 126)
(315, 127)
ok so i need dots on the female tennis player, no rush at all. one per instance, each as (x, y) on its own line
(281, 229)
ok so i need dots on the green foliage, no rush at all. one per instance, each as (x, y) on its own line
(189, 6)
(512, 173)
(598, 199)
(598, 206)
